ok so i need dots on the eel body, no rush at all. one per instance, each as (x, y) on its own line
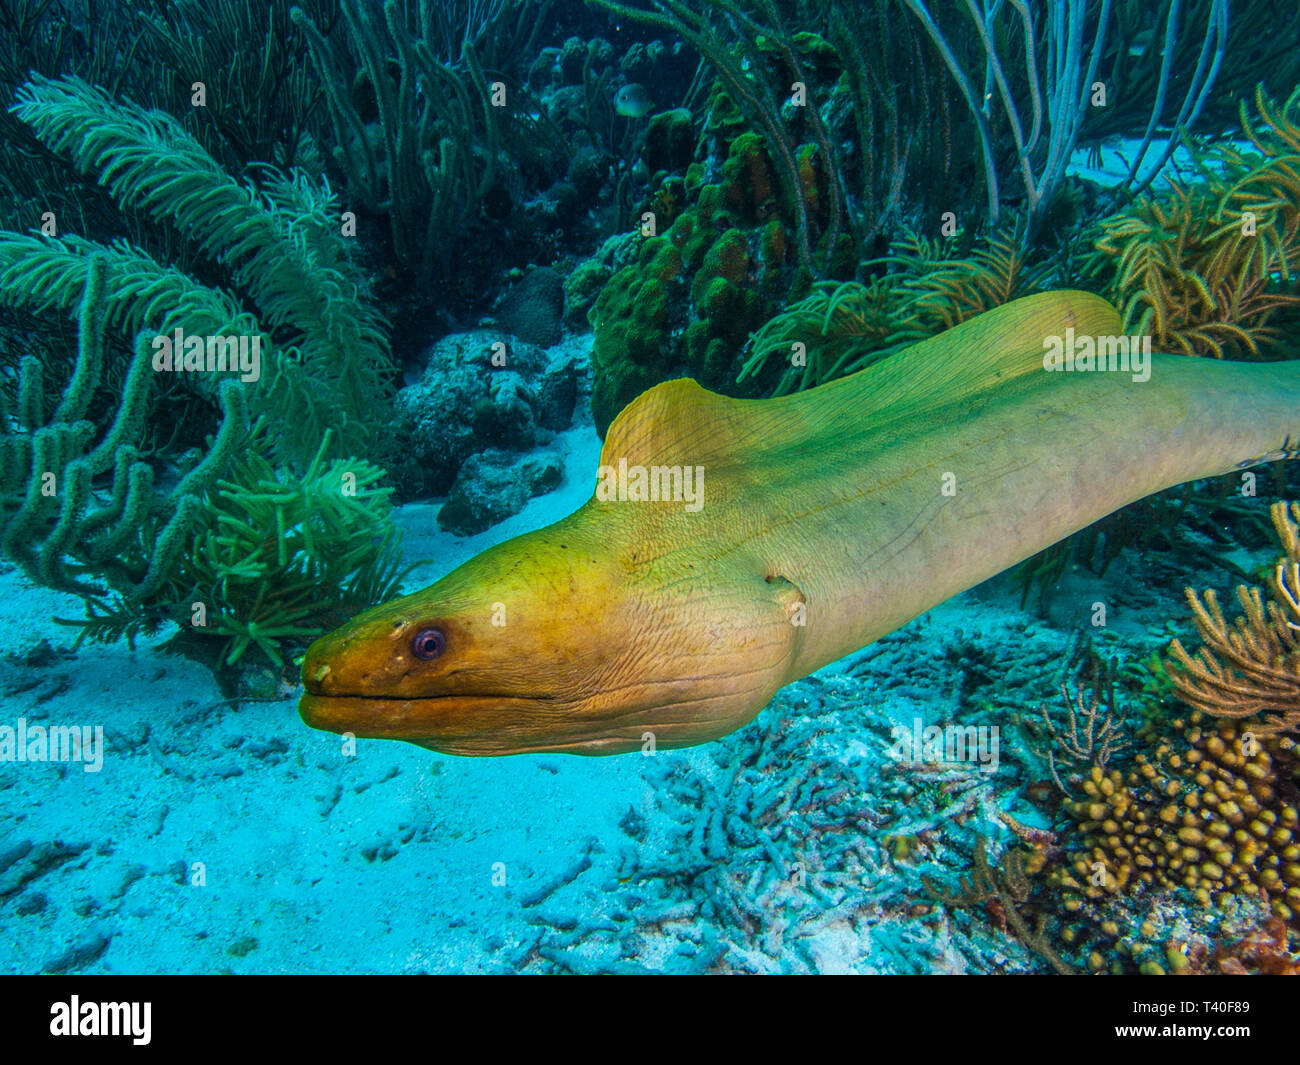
(829, 518)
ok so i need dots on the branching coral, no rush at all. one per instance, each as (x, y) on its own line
(436, 147)
(104, 45)
(53, 522)
(1210, 267)
(1071, 41)
(1095, 730)
(1205, 805)
(234, 549)
(1005, 889)
(1134, 64)
(44, 274)
(269, 556)
(944, 292)
(1204, 811)
(1252, 665)
(281, 244)
(269, 560)
(261, 100)
(839, 329)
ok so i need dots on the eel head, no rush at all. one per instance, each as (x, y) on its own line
(558, 641)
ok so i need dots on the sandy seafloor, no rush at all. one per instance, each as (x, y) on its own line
(767, 851)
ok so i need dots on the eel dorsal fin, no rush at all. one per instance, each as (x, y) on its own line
(676, 421)
(986, 353)
(995, 355)
(679, 421)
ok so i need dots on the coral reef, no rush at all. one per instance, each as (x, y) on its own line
(841, 328)
(1252, 665)
(740, 865)
(52, 522)
(791, 169)
(849, 122)
(1210, 815)
(696, 291)
(1095, 732)
(1177, 852)
(279, 559)
(232, 549)
(325, 343)
(479, 391)
(1044, 119)
(1209, 266)
(947, 95)
(1003, 890)
(161, 540)
(432, 140)
(1134, 63)
(765, 195)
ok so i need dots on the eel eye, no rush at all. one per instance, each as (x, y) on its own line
(428, 643)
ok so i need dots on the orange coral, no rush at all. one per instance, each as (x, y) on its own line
(1251, 665)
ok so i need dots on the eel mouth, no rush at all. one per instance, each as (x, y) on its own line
(429, 717)
(469, 725)
(453, 724)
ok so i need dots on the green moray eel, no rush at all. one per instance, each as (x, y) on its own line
(829, 519)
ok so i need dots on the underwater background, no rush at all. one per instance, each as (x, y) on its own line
(450, 241)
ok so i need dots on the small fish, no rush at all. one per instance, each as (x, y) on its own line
(1142, 41)
(632, 101)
